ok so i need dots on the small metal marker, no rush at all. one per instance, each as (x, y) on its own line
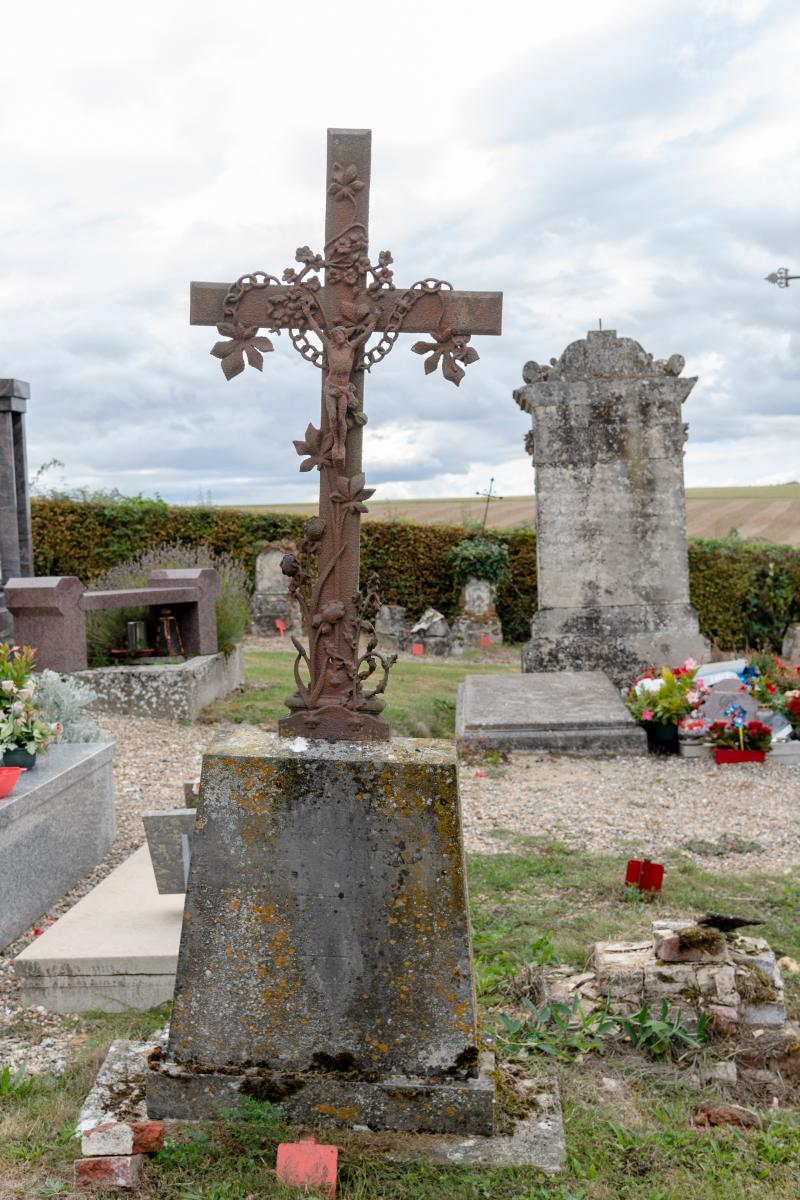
(307, 1164)
(489, 496)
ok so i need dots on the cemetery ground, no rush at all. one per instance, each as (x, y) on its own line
(547, 838)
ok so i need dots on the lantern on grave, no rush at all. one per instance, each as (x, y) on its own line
(169, 643)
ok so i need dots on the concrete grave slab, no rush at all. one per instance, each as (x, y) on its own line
(578, 712)
(55, 827)
(172, 691)
(116, 950)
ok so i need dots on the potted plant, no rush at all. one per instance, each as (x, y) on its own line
(660, 701)
(739, 740)
(23, 732)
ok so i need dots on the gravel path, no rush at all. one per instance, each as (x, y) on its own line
(645, 805)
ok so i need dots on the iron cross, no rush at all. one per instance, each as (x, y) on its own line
(337, 697)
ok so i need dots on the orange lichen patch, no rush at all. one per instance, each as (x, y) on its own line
(384, 1049)
(344, 1113)
(234, 906)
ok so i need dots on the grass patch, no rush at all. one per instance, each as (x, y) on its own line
(421, 695)
(644, 1148)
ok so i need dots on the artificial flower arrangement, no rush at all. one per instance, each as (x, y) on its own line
(21, 724)
(666, 697)
(738, 733)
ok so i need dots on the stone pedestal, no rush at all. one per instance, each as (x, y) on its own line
(16, 554)
(272, 600)
(325, 959)
(613, 575)
(477, 617)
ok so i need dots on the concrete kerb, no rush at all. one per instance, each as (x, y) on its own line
(173, 691)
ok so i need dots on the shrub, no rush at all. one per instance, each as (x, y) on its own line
(478, 558)
(62, 699)
(105, 630)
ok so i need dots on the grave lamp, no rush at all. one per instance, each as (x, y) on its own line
(781, 277)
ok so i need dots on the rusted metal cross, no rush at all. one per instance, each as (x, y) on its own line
(337, 697)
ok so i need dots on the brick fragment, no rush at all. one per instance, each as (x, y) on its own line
(123, 1137)
(109, 1171)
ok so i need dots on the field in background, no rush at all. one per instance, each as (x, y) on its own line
(758, 514)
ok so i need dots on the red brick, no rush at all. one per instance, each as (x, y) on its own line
(148, 1136)
(110, 1171)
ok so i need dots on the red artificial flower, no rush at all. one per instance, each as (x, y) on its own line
(772, 688)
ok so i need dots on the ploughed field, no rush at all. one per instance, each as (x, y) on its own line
(758, 514)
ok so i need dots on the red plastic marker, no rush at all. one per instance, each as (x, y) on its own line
(280, 626)
(485, 639)
(418, 649)
(308, 1164)
(647, 876)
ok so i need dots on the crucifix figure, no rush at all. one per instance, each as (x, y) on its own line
(340, 681)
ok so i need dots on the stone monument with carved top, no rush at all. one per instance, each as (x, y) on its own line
(325, 959)
(607, 439)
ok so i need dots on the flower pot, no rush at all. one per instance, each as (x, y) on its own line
(661, 739)
(9, 777)
(723, 754)
(19, 758)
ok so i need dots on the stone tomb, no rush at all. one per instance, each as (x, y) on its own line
(333, 971)
(55, 827)
(613, 576)
(574, 712)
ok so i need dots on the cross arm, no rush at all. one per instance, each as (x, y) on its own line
(464, 312)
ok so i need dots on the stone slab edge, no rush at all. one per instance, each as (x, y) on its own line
(64, 764)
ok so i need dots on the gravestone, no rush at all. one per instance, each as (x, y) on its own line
(325, 956)
(272, 599)
(16, 554)
(612, 567)
(477, 622)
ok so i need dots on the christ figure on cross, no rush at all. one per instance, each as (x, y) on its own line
(338, 392)
(337, 696)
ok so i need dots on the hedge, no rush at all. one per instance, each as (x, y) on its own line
(744, 593)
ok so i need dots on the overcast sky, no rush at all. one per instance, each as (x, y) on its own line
(634, 161)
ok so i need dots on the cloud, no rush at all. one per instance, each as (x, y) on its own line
(635, 163)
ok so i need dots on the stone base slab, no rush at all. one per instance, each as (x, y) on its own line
(325, 926)
(399, 1103)
(572, 712)
(55, 827)
(620, 640)
(115, 950)
(173, 692)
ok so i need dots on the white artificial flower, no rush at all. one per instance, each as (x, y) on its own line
(8, 686)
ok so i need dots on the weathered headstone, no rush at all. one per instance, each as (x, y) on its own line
(272, 599)
(477, 622)
(433, 632)
(16, 554)
(392, 627)
(612, 568)
(325, 958)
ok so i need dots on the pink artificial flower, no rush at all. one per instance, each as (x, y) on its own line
(693, 697)
(57, 727)
(690, 665)
(647, 715)
(8, 686)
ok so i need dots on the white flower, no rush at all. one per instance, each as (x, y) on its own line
(57, 727)
(25, 693)
(8, 686)
(18, 707)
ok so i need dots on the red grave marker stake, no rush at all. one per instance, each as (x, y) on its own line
(647, 876)
(280, 626)
(418, 649)
(308, 1164)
